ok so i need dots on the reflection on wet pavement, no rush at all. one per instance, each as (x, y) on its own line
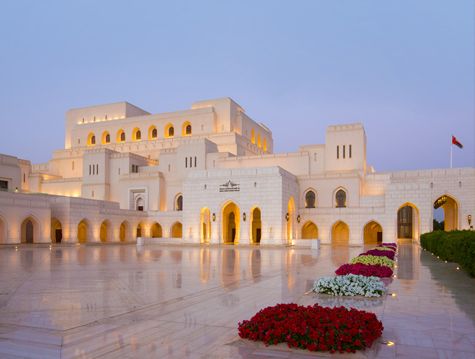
(186, 301)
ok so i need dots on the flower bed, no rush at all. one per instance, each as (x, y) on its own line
(350, 285)
(314, 328)
(380, 253)
(367, 270)
(374, 260)
(389, 244)
(384, 249)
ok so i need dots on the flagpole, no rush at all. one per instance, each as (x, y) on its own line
(451, 152)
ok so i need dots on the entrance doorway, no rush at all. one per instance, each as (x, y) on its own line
(256, 226)
(230, 220)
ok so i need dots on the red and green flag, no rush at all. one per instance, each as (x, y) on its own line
(456, 142)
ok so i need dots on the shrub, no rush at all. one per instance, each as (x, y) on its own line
(314, 328)
(350, 285)
(375, 260)
(453, 246)
(380, 253)
(367, 270)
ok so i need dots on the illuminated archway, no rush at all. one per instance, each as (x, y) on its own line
(124, 227)
(2, 231)
(289, 217)
(230, 217)
(83, 231)
(156, 230)
(169, 131)
(177, 230)
(29, 230)
(445, 213)
(120, 136)
(205, 225)
(256, 226)
(152, 133)
(91, 139)
(340, 233)
(408, 221)
(253, 136)
(136, 134)
(56, 231)
(264, 145)
(106, 138)
(186, 129)
(372, 233)
(259, 144)
(105, 233)
(139, 231)
(309, 230)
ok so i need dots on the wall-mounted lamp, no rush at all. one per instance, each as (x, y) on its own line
(214, 217)
(299, 218)
(287, 216)
(244, 216)
(469, 219)
(16, 189)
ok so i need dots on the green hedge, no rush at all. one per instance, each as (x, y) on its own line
(453, 246)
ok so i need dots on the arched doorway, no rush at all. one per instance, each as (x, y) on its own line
(29, 231)
(289, 217)
(408, 221)
(309, 230)
(139, 231)
(104, 232)
(256, 226)
(445, 214)
(83, 231)
(124, 226)
(340, 233)
(177, 230)
(56, 231)
(156, 230)
(2, 231)
(205, 225)
(231, 220)
(372, 233)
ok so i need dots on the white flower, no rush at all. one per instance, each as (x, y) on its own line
(350, 285)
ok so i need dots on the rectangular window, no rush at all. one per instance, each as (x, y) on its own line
(97, 169)
(3, 185)
(337, 151)
(89, 170)
(186, 162)
(344, 152)
(349, 150)
(195, 161)
(24, 178)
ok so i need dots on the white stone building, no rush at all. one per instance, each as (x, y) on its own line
(209, 175)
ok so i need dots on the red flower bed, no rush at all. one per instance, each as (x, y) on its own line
(367, 270)
(314, 328)
(376, 252)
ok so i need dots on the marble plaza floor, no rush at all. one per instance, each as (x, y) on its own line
(120, 301)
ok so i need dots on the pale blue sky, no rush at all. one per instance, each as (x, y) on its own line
(404, 68)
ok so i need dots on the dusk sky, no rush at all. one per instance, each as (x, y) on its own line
(405, 69)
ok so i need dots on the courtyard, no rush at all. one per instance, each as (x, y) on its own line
(160, 301)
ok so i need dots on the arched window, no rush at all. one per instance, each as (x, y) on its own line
(179, 203)
(152, 133)
(310, 199)
(186, 129)
(139, 204)
(169, 131)
(340, 198)
(120, 136)
(91, 139)
(106, 138)
(136, 134)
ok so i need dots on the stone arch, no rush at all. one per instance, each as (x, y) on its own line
(91, 139)
(340, 196)
(84, 231)
(152, 133)
(372, 233)
(450, 208)
(136, 134)
(156, 230)
(340, 233)
(289, 217)
(169, 131)
(176, 230)
(106, 138)
(256, 225)
(30, 230)
(186, 129)
(230, 219)
(56, 230)
(105, 233)
(123, 231)
(408, 221)
(309, 230)
(310, 198)
(120, 136)
(178, 202)
(205, 225)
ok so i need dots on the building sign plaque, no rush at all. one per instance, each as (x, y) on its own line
(229, 187)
